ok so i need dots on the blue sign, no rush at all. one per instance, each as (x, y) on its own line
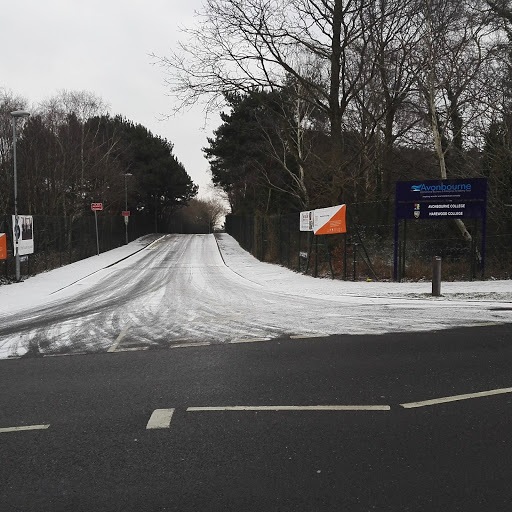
(471, 189)
(440, 199)
(440, 210)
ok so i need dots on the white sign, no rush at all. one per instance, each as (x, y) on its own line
(23, 234)
(329, 221)
(306, 221)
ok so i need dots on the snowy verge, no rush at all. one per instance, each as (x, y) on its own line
(39, 289)
(276, 277)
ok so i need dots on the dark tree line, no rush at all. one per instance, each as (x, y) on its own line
(71, 152)
(333, 100)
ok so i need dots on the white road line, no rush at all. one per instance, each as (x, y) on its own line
(27, 427)
(455, 398)
(305, 336)
(122, 334)
(293, 408)
(131, 349)
(67, 354)
(249, 340)
(184, 345)
(487, 324)
(161, 418)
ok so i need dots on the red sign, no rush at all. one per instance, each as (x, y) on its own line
(126, 214)
(328, 221)
(97, 206)
(3, 246)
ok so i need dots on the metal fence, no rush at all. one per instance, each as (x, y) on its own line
(366, 251)
(59, 241)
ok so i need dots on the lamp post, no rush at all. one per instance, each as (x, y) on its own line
(15, 115)
(126, 175)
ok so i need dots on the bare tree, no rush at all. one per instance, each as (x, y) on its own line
(240, 45)
(203, 215)
(382, 113)
(453, 83)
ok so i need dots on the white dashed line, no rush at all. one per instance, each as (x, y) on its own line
(130, 349)
(184, 345)
(249, 340)
(293, 408)
(305, 336)
(161, 418)
(26, 427)
(455, 398)
(67, 354)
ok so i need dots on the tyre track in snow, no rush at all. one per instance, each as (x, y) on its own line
(180, 290)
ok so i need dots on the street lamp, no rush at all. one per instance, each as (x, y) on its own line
(15, 115)
(126, 175)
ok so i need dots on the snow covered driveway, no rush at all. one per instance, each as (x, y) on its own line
(192, 289)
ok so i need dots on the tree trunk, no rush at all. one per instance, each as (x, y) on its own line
(334, 103)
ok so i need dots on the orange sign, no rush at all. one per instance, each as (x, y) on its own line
(3, 246)
(329, 221)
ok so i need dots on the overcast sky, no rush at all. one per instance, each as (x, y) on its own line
(104, 46)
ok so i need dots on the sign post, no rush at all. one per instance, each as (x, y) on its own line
(96, 207)
(126, 215)
(323, 221)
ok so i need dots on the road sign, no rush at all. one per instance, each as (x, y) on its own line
(3, 246)
(96, 206)
(329, 221)
(126, 213)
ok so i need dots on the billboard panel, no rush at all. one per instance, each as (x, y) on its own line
(3, 246)
(441, 199)
(470, 189)
(23, 234)
(306, 221)
(329, 221)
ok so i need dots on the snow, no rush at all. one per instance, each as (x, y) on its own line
(181, 289)
(280, 278)
(38, 290)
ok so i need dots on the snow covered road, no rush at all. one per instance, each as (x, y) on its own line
(192, 289)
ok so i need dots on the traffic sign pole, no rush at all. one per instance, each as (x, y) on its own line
(126, 215)
(95, 207)
(97, 238)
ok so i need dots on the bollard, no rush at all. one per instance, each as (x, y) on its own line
(436, 276)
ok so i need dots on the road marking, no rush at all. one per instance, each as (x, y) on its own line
(293, 408)
(161, 418)
(249, 340)
(305, 336)
(184, 345)
(131, 349)
(27, 427)
(66, 354)
(487, 324)
(455, 398)
(122, 334)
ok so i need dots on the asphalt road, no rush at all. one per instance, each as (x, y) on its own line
(92, 448)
